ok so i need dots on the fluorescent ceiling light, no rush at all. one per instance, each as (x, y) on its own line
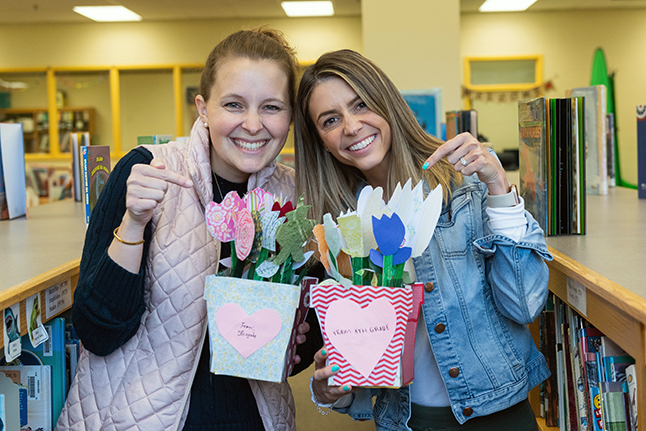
(107, 13)
(308, 8)
(505, 5)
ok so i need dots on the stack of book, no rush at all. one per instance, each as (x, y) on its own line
(552, 163)
(593, 386)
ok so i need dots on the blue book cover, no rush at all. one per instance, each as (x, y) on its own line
(615, 367)
(86, 183)
(52, 352)
(641, 151)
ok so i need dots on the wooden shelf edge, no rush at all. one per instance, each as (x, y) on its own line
(543, 427)
(615, 294)
(36, 284)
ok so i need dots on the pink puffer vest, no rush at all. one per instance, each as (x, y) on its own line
(145, 384)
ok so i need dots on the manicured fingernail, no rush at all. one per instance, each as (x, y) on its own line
(323, 352)
(346, 388)
(425, 166)
(335, 368)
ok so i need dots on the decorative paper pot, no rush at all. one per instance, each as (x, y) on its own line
(252, 326)
(369, 332)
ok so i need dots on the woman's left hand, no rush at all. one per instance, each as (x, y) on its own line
(303, 329)
(469, 156)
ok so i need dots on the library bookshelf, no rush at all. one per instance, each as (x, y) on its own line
(609, 265)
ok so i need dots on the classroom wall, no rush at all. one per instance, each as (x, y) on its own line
(146, 97)
(567, 40)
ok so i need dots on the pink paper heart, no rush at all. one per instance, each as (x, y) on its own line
(361, 335)
(247, 333)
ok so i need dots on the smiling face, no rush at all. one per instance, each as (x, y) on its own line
(354, 135)
(248, 115)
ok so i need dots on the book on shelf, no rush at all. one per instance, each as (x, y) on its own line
(532, 130)
(551, 146)
(13, 196)
(612, 406)
(52, 353)
(576, 323)
(596, 159)
(641, 151)
(96, 170)
(153, 139)
(78, 140)
(461, 121)
(551, 383)
(631, 381)
(590, 340)
(37, 379)
(610, 149)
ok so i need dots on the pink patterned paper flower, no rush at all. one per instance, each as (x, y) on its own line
(244, 233)
(220, 218)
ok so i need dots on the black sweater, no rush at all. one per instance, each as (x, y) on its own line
(109, 302)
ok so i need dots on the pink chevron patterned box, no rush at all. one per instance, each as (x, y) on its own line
(364, 329)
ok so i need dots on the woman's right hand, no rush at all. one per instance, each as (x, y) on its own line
(146, 187)
(327, 394)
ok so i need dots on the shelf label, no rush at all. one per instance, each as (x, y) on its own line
(35, 329)
(58, 297)
(12, 341)
(576, 296)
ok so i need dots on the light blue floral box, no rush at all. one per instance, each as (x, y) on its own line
(252, 327)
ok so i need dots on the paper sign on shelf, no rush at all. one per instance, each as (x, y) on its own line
(12, 343)
(58, 298)
(37, 332)
(576, 296)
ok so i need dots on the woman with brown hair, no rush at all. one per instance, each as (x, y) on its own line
(484, 272)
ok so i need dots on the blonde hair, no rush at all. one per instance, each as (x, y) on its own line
(331, 186)
(258, 44)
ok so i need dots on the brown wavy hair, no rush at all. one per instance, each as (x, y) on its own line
(331, 186)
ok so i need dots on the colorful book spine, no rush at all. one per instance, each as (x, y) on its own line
(641, 151)
(86, 184)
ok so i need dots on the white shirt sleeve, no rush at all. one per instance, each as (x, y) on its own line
(509, 221)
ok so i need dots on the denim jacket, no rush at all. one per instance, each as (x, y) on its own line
(487, 288)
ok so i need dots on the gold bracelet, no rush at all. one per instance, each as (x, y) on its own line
(125, 242)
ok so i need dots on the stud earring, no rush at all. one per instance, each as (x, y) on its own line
(206, 124)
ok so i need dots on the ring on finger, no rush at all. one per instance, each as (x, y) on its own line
(463, 161)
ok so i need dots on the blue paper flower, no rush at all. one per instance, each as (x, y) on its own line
(389, 233)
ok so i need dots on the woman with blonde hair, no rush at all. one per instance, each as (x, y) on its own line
(484, 270)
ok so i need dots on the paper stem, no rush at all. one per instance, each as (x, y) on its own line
(288, 272)
(399, 275)
(367, 278)
(388, 271)
(264, 254)
(237, 267)
(302, 275)
(357, 264)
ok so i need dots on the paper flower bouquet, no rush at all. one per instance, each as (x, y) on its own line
(256, 304)
(368, 313)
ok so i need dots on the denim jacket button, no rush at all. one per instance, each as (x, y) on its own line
(429, 287)
(439, 328)
(454, 372)
(468, 411)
